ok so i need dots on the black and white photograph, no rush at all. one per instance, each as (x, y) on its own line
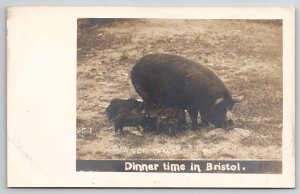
(179, 89)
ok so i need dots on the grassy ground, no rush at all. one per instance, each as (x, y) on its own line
(246, 54)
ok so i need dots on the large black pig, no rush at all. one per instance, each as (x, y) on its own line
(177, 81)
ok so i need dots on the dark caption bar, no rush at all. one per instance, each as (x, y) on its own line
(181, 166)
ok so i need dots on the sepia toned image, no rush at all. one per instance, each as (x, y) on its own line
(185, 97)
(179, 89)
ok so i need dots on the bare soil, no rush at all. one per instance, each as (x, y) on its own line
(246, 54)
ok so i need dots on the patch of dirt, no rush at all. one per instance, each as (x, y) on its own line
(246, 54)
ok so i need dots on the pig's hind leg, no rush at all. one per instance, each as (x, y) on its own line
(194, 117)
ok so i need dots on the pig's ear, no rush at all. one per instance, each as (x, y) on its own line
(237, 99)
(132, 98)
